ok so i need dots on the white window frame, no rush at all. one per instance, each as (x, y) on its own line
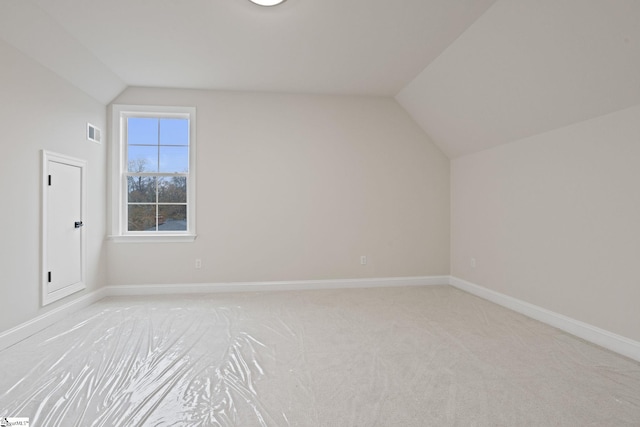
(119, 167)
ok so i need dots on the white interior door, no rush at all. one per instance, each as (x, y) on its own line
(63, 226)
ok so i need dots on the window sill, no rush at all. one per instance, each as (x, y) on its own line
(170, 238)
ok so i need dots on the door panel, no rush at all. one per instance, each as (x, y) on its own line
(64, 240)
(63, 243)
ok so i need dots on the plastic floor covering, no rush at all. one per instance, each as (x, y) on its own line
(429, 356)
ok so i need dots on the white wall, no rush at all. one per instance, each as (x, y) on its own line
(295, 187)
(39, 111)
(554, 220)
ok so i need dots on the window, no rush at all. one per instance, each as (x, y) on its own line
(153, 171)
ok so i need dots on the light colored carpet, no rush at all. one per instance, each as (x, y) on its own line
(430, 356)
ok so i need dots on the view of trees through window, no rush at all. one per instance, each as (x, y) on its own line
(158, 166)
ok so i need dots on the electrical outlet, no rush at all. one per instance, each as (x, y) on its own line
(198, 263)
(363, 260)
(473, 263)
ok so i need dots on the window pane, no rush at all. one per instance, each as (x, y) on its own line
(141, 189)
(143, 159)
(174, 159)
(172, 189)
(142, 131)
(142, 218)
(172, 218)
(174, 132)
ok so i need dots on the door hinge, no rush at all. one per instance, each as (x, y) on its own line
(49, 277)
(49, 180)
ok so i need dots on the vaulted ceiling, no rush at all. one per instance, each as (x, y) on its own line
(473, 73)
(526, 67)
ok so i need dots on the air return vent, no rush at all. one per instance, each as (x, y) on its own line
(93, 133)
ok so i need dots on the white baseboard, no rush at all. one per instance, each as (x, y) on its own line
(595, 335)
(26, 329)
(601, 337)
(197, 288)
(30, 327)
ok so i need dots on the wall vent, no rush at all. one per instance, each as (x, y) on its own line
(93, 133)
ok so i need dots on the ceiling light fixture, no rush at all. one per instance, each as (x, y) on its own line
(267, 2)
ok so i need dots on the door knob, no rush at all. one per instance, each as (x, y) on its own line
(78, 224)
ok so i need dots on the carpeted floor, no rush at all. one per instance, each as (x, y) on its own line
(423, 356)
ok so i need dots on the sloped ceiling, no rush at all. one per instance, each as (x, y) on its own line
(473, 73)
(372, 47)
(32, 31)
(526, 67)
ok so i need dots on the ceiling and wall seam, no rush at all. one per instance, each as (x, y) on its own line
(489, 72)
